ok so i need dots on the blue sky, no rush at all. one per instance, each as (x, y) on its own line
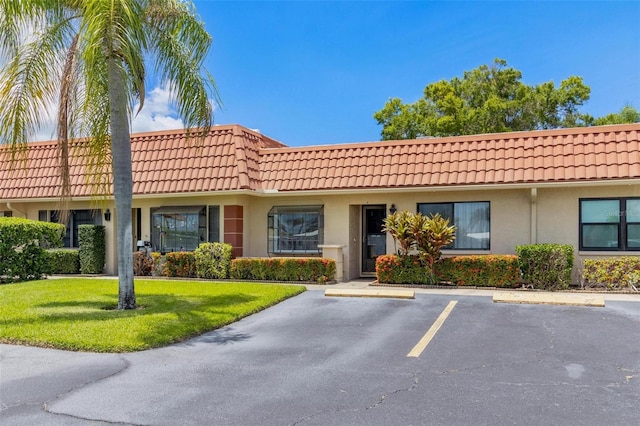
(314, 72)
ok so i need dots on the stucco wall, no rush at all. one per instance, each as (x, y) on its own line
(556, 211)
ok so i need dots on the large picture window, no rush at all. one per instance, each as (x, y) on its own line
(178, 228)
(472, 221)
(295, 230)
(610, 224)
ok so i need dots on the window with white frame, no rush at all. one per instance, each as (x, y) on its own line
(295, 230)
(610, 224)
(472, 221)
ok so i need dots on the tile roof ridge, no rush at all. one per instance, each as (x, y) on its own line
(565, 131)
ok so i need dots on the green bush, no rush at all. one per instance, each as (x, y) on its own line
(63, 261)
(213, 260)
(179, 264)
(546, 266)
(314, 269)
(489, 270)
(22, 244)
(392, 269)
(92, 251)
(613, 273)
(143, 264)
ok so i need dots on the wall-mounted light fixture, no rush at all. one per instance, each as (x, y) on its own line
(107, 215)
(392, 209)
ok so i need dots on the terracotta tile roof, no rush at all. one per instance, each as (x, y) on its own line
(162, 162)
(235, 158)
(559, 155)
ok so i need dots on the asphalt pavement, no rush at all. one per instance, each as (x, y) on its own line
(317, 360)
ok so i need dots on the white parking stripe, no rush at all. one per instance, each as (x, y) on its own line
(422, 344)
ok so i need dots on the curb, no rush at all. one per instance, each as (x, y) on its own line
(390, 294)
(549, 299)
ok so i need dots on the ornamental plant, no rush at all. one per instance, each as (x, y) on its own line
(420, 236)
(546, 266)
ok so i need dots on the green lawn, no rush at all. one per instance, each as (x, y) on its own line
(78, 313)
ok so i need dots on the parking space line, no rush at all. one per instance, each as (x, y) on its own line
(422, 344)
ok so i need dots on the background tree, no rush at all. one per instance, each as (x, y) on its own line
(488, 99)
(627, 114)
(90, 57)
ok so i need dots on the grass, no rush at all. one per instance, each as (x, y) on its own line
(79, 314)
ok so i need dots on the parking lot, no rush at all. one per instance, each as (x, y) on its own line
(315, 360)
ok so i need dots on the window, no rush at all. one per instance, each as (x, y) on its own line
(76, 218)
(295, 229)
(178, 228)
(472, 221)
(610, 224)
(6, 214)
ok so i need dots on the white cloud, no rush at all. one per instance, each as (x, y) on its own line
(157, 113)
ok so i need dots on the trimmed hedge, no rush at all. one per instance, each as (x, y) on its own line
(213, 260)
(63, 261)
(316, 269)
(481, 270)
(393, 269)
(179, 264)
(613, 273)
(92, 248)
(22, 244)
(546, 266)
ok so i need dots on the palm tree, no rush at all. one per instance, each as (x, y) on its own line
(90, 57)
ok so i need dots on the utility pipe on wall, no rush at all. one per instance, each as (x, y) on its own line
(13, 209)
(533, 232)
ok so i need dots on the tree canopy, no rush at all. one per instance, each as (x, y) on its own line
(91, 59)
(491, 99)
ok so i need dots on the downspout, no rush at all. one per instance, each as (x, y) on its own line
(533, 232)
(13, 209)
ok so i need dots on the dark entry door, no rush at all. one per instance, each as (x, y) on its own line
(374, 241)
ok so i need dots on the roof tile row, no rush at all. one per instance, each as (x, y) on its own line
(236, 158)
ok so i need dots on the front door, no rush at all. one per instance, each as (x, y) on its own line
(374, 240)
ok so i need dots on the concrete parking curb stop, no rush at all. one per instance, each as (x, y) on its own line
(549, 298)
(384, 293)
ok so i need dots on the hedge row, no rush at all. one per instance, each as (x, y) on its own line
(63, 261)
(492, 270)
(22, 247)
(617, 273)
(315, 269)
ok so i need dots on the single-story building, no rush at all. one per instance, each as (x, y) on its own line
(578, 186)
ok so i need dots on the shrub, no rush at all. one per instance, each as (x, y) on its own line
(63, 261)
(489, 270)
(613, 273)
(392, 269)
(143, 264)
(22, 244)
(546, 266)
(92, 251)
(314, 269)
(426, 235)
(213, 260)
(158, 264)
(179, 264)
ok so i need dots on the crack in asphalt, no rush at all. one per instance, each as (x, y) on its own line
(379, 402)
(45, 404)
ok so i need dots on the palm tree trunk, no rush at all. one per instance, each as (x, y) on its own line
(122, 182)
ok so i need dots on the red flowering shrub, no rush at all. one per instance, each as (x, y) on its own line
(179, 264)
(392, 269)
(482, 270)
(284, 269)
